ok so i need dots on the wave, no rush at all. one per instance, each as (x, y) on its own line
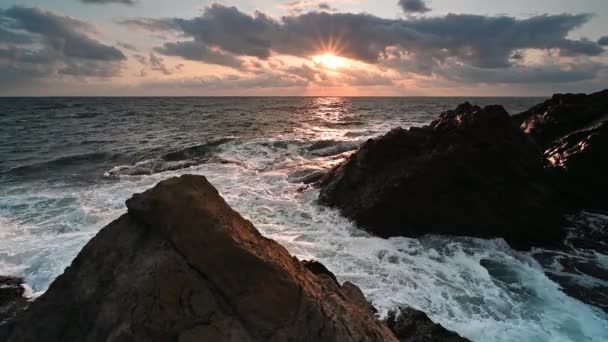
(196, 151)
(326, 148)
(58, 163)
(172, 161)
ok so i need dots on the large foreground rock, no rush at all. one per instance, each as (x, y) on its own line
(573, 131)
(471, 172)
(183, 266)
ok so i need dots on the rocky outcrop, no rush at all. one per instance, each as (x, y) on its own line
(561, 115)
(573, 131)
(12, 300)
(471, 172)
(181, 265)
(581, 160)
(411, 325)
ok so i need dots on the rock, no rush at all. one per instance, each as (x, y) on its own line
(306, 176)
(572, 130)
(562, 115)
(582, 161)
(12, 298)
(183, 266)
(410, 325)
(472, 172)
(319, 269)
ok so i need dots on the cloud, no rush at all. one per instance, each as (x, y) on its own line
(126, 46)
(42, 44)
(64, 34)
(545, 74)
(124, 2)
(413, 6)
(196, 51)
(299, 7)
(603, 41)
(480, 41)
(268, 80)
(155, 63)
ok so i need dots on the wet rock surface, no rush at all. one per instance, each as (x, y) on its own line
(572, 129)
(12, 299)
(561, 115)
(472, 172)
(181, 265)
(411, 325)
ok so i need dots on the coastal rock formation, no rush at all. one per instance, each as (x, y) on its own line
(582, 161)
(573, 131)
(181, 265)
(410, 325)
(12, 298)
(471, 172)
(562, 115)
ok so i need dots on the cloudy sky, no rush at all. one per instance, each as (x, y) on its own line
(306, 47)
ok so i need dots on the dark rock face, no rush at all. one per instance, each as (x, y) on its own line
(11, 297)
(573, 131)
(562, 115)
(410, 325)
(472, 172)
(581, 159)
(183, 266)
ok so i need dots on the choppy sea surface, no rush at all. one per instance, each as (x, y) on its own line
(68, 164)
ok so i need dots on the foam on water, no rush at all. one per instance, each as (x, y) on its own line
(480, 288)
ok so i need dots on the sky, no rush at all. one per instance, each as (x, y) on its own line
(305, 47)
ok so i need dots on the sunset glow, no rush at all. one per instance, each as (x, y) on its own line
(329, 60)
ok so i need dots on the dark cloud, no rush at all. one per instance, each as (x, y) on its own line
(413, 6)
(12, 37)
(550, 74)
(603, 41)
(156, 63)
(124, 2)
(64, 34)
(41, 44)
(196, 51)
(480, 41)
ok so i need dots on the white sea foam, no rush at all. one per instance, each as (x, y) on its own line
(479, 288)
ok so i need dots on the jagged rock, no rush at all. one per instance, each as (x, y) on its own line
(410, 325)
(12, 298)
(181, 265)
(581, 158)
(572, 129)
(561, 115)
(471, 172)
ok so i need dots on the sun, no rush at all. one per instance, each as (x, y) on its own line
(329, 60)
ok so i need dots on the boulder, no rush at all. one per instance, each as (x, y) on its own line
(411, 325)
(183, 266)
(562, 115)
(471, 172)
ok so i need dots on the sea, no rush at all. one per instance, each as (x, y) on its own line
(67, 165)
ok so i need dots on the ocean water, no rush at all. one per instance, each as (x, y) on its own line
(68, 164)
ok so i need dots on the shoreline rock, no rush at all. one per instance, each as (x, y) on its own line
(411, 325)
(471, 172)
(572, 129)
(182, 265)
